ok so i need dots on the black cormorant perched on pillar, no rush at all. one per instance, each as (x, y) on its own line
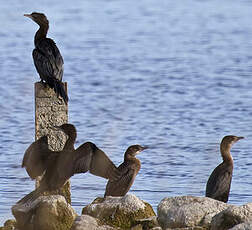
(218, 184)
(47, 58)
(59, 166)
(128, 169)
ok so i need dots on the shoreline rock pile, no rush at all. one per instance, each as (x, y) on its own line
(129, 212)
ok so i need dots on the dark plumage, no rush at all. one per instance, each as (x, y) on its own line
(47, 58)
(35, 164)
(128, 169)
(71, 133)
(59, 166)
(219, 182)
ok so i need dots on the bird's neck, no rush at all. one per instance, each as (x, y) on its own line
(133, 161)
(128, 157)
(41, 33)
(225, 153)
(70, 142)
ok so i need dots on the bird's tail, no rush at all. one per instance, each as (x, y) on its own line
(31, 196)
(58, 87)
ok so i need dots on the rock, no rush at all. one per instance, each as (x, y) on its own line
(148, 223)
(243, 226)
(9, 225)
(232, 216)
(190, 228)
(188, 211)
(46, 212)
(86, 222)
(122, 212)
(137, 227)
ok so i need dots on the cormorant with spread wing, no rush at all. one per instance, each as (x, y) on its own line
(59, 166)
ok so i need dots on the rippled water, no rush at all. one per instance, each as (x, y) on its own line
(174, 75)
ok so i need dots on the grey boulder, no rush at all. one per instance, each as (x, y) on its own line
(232, 216)
(188, 211)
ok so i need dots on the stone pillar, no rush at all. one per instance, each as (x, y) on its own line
(51, 111)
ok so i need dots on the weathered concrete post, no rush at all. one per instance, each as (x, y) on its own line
(50, 111)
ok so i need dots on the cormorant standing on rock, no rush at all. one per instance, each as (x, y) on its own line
(47, 58)
(128, 169)
(218, 184)
(59, 166)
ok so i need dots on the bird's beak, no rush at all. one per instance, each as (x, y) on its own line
(28, 15)
(144, 147)
(239, 138)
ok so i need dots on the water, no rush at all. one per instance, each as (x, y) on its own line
(174, 75)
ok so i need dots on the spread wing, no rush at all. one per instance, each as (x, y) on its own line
(218, 185)
(36, 157)
(48, 60)
(90, 157)
(122, 185)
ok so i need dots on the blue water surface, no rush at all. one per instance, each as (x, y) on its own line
(174, 75)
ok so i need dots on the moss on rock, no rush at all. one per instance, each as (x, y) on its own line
(148, 223)
(46, 212)
(9, 225)
(122, 212)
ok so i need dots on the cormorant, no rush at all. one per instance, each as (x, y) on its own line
(71, 133)
(219, 182)
(128, 169)
(35, 164)
(46, 56)
(59, 166)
